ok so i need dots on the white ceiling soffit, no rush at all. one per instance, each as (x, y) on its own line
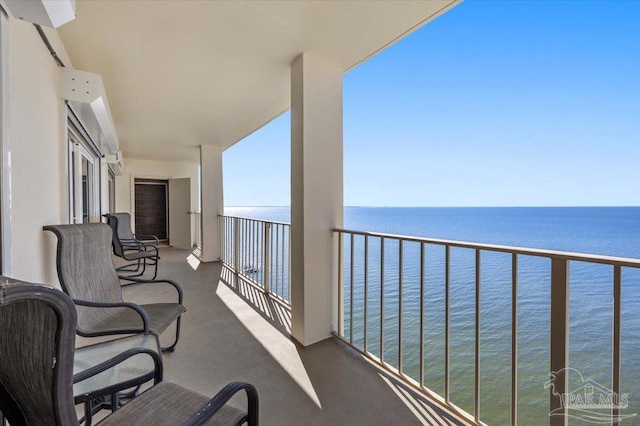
(180, 74)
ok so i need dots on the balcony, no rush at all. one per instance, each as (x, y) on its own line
(233, 331)
(454, 320)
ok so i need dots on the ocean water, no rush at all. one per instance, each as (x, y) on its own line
(612, 231)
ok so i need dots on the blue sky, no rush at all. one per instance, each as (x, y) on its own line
(496, 103)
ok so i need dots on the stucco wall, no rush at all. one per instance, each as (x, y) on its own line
(37, 151)
(148, 169)
(37, 146)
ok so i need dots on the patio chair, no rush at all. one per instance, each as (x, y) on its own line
(107, 372)
(87, 275)
(36, 371)
(131, 247)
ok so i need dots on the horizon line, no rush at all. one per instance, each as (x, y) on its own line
(453, 207)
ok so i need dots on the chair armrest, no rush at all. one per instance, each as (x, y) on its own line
(150, 237)
(129, 241)
(131, 244)
(136, 281)
(217, 402)
(112, 362)
(135, 307)
(140, 246)
(150, 251)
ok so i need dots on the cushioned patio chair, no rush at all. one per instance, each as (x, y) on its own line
(132, 247)
(87, 275)
(36, 371)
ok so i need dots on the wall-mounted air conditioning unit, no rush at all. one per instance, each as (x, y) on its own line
(86, 96)
(50, 13)
(117, 162)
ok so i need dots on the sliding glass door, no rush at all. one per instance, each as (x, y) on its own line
(84, 182)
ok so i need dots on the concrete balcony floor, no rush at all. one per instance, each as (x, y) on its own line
(238, 333)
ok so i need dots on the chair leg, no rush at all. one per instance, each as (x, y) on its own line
(88, 412)
(152, 262)
(115, 402)
(130, 394)
(129, 267)
(141, 266)
(155, 269)
(175, 342)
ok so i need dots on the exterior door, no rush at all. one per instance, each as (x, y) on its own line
(83, 181)
(151, 207)
(180, 213)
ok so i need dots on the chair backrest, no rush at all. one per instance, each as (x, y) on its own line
(85, 266)
(120, 224)
(124, 225)
(37, 339)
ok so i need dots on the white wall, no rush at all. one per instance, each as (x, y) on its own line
(148, 169)
(37, 143)
(37, 151)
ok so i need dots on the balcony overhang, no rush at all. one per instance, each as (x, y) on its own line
(180, 74)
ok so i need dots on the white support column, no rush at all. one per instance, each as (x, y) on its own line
(6, 262)
(212, 200)
(316, 194)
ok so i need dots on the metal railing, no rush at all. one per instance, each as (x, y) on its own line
(413, 305)
(259, 251)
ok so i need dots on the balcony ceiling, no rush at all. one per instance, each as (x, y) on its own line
(179, 74)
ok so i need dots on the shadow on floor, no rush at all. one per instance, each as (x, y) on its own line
(270, 308)
(233, 331)
(279, 315)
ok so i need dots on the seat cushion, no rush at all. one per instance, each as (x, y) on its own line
(168, 404)
(162, 315)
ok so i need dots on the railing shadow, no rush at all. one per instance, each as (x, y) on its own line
(269, 307)
(278, 314)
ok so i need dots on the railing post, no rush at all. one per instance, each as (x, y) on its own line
(288, 233)
(340, 284)
(617, 318)
(559, 342)
(236, 245)
(514, 339)
(477, 338)
(222, 228)
(266, 257)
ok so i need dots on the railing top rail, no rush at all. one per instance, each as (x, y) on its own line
(273, 222)
(553, 254)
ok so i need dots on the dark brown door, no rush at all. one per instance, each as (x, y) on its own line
(151, 207)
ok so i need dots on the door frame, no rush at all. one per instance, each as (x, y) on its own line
(132, 194)
(78, 145)
(111, 191)
(165, 183)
